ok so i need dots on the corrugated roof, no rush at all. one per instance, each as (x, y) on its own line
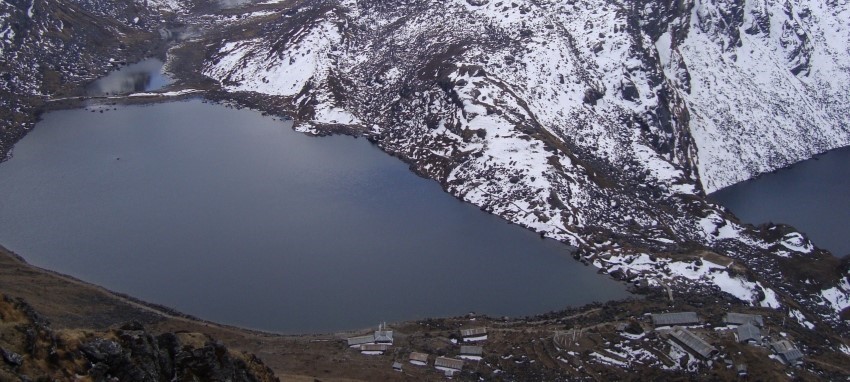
(473, 332)
(787, 351)
(792, 356)
(384, 336)
(742, 318)
(782, 346)
(422, 357)
(361, 340)
(748, 332)
(450, 363)
(374, 347)
(678, 318)
(693, 342)
(397, 365)
(471, 350)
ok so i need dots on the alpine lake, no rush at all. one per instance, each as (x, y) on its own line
(231, 216)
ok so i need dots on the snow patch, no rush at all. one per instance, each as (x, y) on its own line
(796, 242)
(798, 315)
(475, 339)
(248, 66)
(838, 297)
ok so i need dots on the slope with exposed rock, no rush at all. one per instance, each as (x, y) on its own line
(598, 123)
(31, 350)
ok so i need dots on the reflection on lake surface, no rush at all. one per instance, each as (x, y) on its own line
(236, 218)
(139, 77)
(813, 196)
(227, 4)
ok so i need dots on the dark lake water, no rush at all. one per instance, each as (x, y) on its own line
(813, 196)
(139, 77)
(233, 217)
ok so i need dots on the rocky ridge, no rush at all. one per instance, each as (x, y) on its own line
(31, 350)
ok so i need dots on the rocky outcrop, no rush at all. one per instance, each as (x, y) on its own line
(31, 350)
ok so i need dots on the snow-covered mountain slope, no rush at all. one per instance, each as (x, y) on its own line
(499, 89)
(599, 123)
(767, 83)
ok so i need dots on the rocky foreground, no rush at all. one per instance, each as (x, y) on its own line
(31, 350)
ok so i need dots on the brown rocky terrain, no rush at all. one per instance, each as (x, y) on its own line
(32, 350)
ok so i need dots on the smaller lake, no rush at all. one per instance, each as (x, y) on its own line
(813, 196)
(142, 76)
(233, 217)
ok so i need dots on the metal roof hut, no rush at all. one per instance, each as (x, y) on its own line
(671, 319)
(360, 340)
(471, 350)
(397, 366)
(473, 333)
(792, 357)
(448, 363)
(374, 347)
(742, 318)
(789, 353)
(383, 336)
(419, 358)
(693, 343)
(748, 333)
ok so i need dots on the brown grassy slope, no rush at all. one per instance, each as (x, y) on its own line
(73, 304)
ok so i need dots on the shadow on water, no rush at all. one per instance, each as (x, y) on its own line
(228, 4)
(220, 5)
(139, 77)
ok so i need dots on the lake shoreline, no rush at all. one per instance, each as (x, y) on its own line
(225, 182)
(808, 195)
(72, 304)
